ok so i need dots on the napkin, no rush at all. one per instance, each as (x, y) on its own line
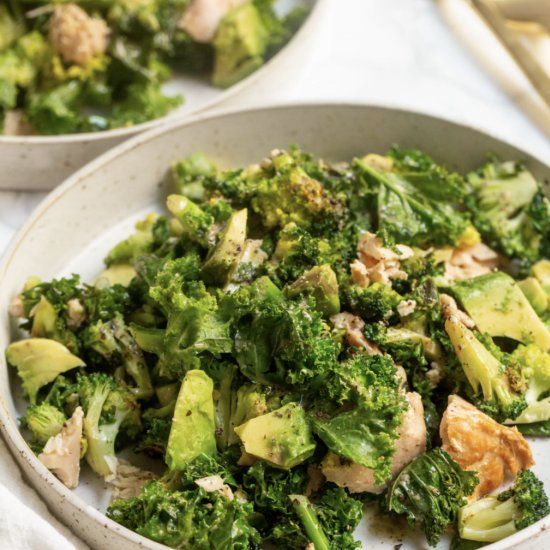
(25, 521)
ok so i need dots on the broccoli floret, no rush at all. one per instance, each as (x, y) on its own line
(510, 210)
(189, 175)
(109, 410)
(495, 517)
(143, 101)
(407, 204)
(155, 437)
(529, 367)
(373, 303)
(485, 373)
(296, 252)
(44, 421)
(114, 342)
(290, 195)
(239, 45)
(430, 491)
(196, 222)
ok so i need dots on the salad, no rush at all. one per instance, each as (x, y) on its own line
(294, 341)
(91, 65)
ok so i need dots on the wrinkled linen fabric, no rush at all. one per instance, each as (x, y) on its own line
(25, 521)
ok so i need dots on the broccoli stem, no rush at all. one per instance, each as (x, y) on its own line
(488, 520)
(307, 514)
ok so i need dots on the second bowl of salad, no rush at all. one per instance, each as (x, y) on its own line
(78, 77)
(304, 327)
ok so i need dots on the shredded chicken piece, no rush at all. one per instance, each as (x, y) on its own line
(354, 325)
(406, 307)
(410, 443)
(215, 484)
(435, 374)
(450, 309)
(376, 263)
(470, 261)
(479, 443)
(76, 36)
(75, 313)
(129, 480)
(16, 307)
(203, 17)
(61, 454)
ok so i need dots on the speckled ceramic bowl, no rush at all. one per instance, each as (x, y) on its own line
(41, 162)
(79, 221)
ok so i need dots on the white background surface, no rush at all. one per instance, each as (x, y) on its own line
(397, 53)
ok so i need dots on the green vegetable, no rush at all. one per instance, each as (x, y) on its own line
(39, 361)
(530, 367)
(495, 517)
(322, 284)
(485, 373)
(236, 342)
(408, 207)
(193, 425)
(365, 434)
(499, 308)
(108, 408)
(190, 518)
(114, 342)
(227, 250)
(44, 421)
(510, 210)
(239, 45)
(282, 438)
(430, 491)
(311, 523)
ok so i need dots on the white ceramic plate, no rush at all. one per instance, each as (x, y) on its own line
(41, 162)
(78, 222)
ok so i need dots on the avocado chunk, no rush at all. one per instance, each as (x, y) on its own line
(44, 320)
(541, 270)
(322, 284)
(535, 294)
(480, 366)
(239, 44)
(117, 274)
(228, 249)
(499, 308)
(39, 361)
(282, 438)
(193, 426)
